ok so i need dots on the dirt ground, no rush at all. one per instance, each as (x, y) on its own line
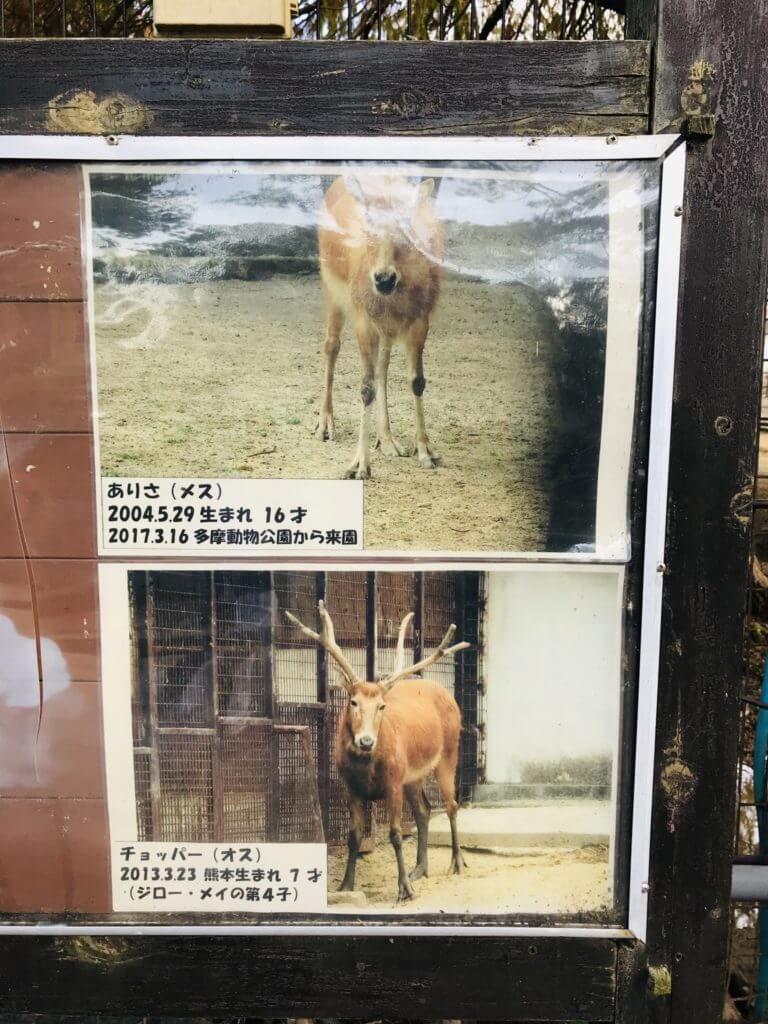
(223, 378)
(552, 881)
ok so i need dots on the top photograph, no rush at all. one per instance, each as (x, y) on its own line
(458, 342)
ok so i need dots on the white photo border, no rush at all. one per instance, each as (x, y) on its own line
(670, 149)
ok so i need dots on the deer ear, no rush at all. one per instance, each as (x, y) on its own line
(426, 189)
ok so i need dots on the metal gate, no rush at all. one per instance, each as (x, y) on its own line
(234, 713)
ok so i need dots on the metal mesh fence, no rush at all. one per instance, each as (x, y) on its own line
(243, 615)
(142, 776)
(223, 754)
(299, 810)
(395, 598)
(247, 773)
(185, 797)
(346, 598)
(179, 634)
(295, 655)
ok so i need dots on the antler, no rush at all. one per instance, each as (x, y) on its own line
(400, 651)
(327, 639)
(436, 655)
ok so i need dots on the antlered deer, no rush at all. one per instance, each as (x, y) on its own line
(391, 736)
(380, 257)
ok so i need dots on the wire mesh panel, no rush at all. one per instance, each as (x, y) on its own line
(337, 806)
(179, 630)
(395, 598)
(440, 608)
(299, 815)
(248, 781)
(243, 615)
(469, 677)
(295, 655)
(346, 600)
(142, 778)
(185, 798)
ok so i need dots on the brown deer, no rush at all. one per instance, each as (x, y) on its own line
(380, 257)
(391, 736)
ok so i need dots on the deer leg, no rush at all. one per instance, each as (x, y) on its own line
(427, 456)
(395, 803)
(360, 466)
(417, 798)
(384, 439)
(356, 826)
(445, 774)
(333, 323)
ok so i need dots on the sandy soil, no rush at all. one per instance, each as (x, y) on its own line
(224, 379)
(561, 881)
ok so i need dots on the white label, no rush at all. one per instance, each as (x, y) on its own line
(244, 878)
(241, 517)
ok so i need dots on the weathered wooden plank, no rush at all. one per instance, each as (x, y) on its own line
(714, 425)
(539, 979)
(232, 87)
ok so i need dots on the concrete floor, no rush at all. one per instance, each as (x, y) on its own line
(552, 823)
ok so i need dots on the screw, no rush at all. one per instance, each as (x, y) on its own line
(645, 887)
(611, 140)
(678, 211)
(661, 567)
(112, 140)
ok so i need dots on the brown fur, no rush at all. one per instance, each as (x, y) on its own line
(389, 230)
(416, 726)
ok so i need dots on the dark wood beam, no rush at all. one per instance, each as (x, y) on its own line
(235, 87)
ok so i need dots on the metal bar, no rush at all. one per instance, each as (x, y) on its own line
(270, 704)
(185, 730)
(418, 616)
(217, 781)
(154, 766)
(370, 626)
(409, 18)
(322, 666)
(378, 19)
(749, 882)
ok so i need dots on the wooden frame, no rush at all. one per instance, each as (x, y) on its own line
(701, 59)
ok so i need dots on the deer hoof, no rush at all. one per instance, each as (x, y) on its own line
(324, 429)
(357, 472)
(457, 863)
(389, 446)
(405, 891)
(427, 458)
(419, 871)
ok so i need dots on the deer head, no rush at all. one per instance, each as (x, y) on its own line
(367, 700)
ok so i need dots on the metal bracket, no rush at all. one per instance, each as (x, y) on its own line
(700, 126)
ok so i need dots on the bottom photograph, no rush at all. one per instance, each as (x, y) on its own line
(364, 742)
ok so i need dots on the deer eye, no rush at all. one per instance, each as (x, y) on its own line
(353, 703)
(381, 707)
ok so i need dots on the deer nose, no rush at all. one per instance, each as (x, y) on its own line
(385, 281)
(366, 742)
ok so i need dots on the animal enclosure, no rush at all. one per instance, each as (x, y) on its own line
(234, 711)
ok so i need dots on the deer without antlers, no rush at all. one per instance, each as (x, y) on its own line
(381, 247)
(388, 740)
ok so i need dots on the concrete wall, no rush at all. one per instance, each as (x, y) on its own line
(553, 650)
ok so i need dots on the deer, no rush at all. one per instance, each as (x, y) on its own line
(391, 735)
(380, 263)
